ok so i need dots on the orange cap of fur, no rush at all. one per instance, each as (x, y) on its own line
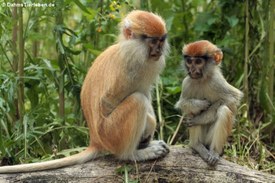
(202, 48)
(143, 22)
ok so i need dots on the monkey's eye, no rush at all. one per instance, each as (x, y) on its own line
(188, 60)
(153, 40)
(143, 36)
(199, 61)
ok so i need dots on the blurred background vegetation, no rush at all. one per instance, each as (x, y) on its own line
(45, 53)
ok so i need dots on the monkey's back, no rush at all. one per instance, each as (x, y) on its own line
(100, 80)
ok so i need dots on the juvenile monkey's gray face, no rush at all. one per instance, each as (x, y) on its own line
(195, 65)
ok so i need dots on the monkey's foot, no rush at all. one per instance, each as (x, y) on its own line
(212, 158)
(209, 156)
(154, 150)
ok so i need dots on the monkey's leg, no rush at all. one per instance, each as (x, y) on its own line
(124, 127)
(196, 135)
(149, 130)
(148, 149)
(150, 127)
(219, 131)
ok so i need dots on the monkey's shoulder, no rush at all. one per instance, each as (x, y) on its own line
(108, 54)
(226, 90)
(106, 63)
(212, 89)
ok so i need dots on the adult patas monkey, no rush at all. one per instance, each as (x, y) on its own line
(116, 98)
(207, 100)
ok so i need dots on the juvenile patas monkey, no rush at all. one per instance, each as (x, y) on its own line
(116, 98)
(207, 99)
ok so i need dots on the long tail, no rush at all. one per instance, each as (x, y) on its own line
(79, 158)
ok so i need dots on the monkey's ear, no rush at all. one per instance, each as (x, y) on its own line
(218, 56)
(128, 33)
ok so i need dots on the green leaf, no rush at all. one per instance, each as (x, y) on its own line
(232, 21)
(173, 90)
(203, 21)
(81, 6)
(125, 168)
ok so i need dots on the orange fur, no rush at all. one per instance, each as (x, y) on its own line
(117, 103)
(116, 99)
(142, 22)
(202, 48)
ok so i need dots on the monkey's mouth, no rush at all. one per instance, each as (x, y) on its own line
(155, 57)
(195, 75)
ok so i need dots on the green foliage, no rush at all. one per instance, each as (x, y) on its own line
(61, 43)
(125, 170)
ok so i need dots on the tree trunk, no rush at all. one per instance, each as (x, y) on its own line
(180, 165)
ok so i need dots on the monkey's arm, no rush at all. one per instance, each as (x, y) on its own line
(108, 103)
(206, 117)
(187, 103)
(192, 106)
(230, 97)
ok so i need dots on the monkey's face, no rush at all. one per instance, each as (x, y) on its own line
(195, 65)
(155, 46)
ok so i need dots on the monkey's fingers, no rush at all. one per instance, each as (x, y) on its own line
(205, 104)
(213, 158)
(190, 122)
(156, 149)
(160, 148)
(160, 143)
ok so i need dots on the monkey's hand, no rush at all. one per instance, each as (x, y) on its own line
(192, 106)
(190, 121)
